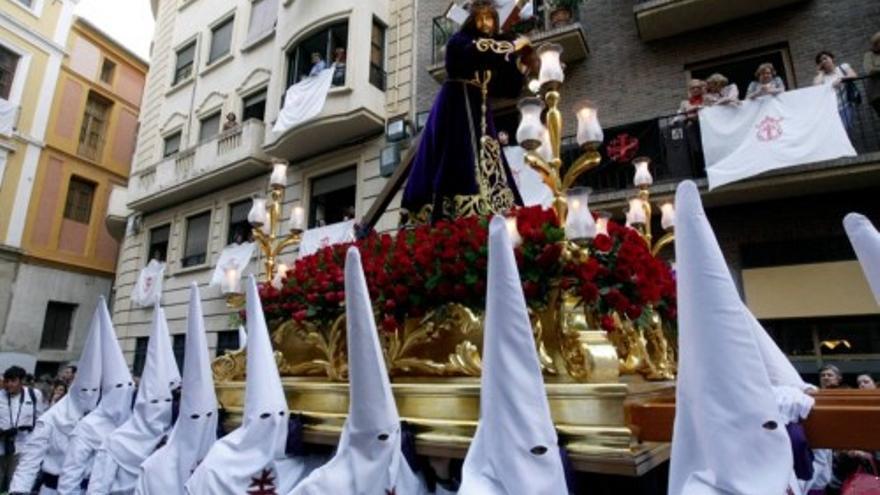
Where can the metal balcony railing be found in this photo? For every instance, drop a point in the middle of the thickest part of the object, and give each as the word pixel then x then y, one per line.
pixel 673 144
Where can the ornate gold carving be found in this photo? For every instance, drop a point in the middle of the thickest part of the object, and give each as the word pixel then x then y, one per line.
pixel 230 367
pixel 643 350
pixel 495 46
pixel 326 346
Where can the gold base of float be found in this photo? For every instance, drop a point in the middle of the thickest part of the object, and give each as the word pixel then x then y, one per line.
pixel 590 418
pixel 590 376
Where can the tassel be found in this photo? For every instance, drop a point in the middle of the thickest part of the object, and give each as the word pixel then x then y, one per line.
pixel 801 451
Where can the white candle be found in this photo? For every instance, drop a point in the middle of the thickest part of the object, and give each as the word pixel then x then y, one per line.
pixel 551 66
pixel 279 175
pixel 280 273
pixel 534 86
pixel 667 220
pixel 602 223
pixel 513 232
pixel 230 281
pixel 258 215
pixel 297 221
pixel 579 223
pixel 636 213
pixel 588 128
pixel 643 176
pixel 530 127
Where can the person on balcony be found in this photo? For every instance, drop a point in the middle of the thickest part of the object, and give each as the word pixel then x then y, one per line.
pixel 459 168
pixel 695 101
pixel 767 83
pixel 837 75
pixel 318 64
pixel 339 64
pixel 231 122
pixel 720 92
pixel 871 65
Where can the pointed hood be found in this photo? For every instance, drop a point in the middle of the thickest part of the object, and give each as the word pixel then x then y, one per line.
pixel 166 471
pixel 117 386
pixel 150 419
pixel 254 450
pixel 369 459
pixel 866 242
pixel 515 449
pixel 85 390
pixel 729 436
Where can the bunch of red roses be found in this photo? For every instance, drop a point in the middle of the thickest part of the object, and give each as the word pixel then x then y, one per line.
pixel 425 267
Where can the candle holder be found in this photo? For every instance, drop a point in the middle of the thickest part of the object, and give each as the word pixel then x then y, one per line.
pixel 641 209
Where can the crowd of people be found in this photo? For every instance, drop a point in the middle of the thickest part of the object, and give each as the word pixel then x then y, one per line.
pixel 717 90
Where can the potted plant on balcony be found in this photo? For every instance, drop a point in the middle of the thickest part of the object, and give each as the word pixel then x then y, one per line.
pixel 562 11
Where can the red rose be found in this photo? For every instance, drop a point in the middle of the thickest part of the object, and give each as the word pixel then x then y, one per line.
pixel 607 323
pixel 602 243
pixel 633 311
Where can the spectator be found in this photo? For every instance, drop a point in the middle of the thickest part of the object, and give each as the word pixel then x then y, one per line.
pixel 58 392
pixel 830 377
pixel 339 63
pixel 866 382
pixel 872 69
pixel 720 92
pixel 231 121
pixel 69 372
pixel 696 99
pixel 318 64
pixel 766 83
pixel 20 406
pixel 836 75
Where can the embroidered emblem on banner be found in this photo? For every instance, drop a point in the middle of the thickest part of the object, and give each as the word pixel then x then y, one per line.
pixel 623 148
pixel 263 484
pixel 769 129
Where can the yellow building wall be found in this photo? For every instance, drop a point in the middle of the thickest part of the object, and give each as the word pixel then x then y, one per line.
pixel 43 22
pixel 48 235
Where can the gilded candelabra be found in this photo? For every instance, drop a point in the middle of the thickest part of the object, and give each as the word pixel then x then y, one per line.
pixel 265 218
pixel 641 210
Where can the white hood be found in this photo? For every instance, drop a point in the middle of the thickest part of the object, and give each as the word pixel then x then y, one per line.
pixel 729 436
pixel 166 471
pixel 85 390
pixel 866 242
pixel 150 420
pixel 515 448
pixel 368 459
pixel 250 455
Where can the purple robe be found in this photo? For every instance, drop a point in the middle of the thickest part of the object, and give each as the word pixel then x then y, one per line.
pixel 445 164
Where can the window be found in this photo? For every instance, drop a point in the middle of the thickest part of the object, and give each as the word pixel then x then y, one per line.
pixel 196 247
pixel 227 340
pixel 209 126
pixel 140 355
pixel 27 3
pixel 324 43
pixel 80 194
pixel 178 345
pixel 264 15
pixel 172 144
pixel 740 68
pixel 796 252
pixel 94 126
pixel 159 243
pixel 221 40
pixel 822 337
pixel 108 68
pixel 56 325
pixel 8 63
pixel 377 55
pixel 255 106
pixel 332 198
pixel 239 227
pixel 183 68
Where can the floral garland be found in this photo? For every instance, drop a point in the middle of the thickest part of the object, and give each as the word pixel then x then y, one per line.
pixel 418 269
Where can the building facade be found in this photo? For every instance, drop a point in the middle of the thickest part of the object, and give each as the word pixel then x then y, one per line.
pixel 196 173
pixel 781 232
pixel 65 253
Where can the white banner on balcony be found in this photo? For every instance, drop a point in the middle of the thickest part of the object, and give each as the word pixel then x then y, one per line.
pixel 7 117
pixel 304 100
pixel 772 132
pixel 321 237
pixel 148 289
pixel 531 188
pixel 235 256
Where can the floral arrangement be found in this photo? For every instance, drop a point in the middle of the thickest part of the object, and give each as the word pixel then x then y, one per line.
pixel 421 268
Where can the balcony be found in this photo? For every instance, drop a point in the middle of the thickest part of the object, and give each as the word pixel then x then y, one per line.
pixel 657 19
pixel 539 29
pixel 676 155
pixel 223 160
pixel 117 211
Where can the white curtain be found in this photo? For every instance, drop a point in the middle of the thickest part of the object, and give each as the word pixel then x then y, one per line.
pixel 772 132
pixel 321 237
pixel 304 100
pixel 233 256
pixel 264 14
pixel 148 288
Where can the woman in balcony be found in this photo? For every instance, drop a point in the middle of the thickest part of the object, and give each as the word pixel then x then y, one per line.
pixel 459 169
pixel 830 72
pixel 767 83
